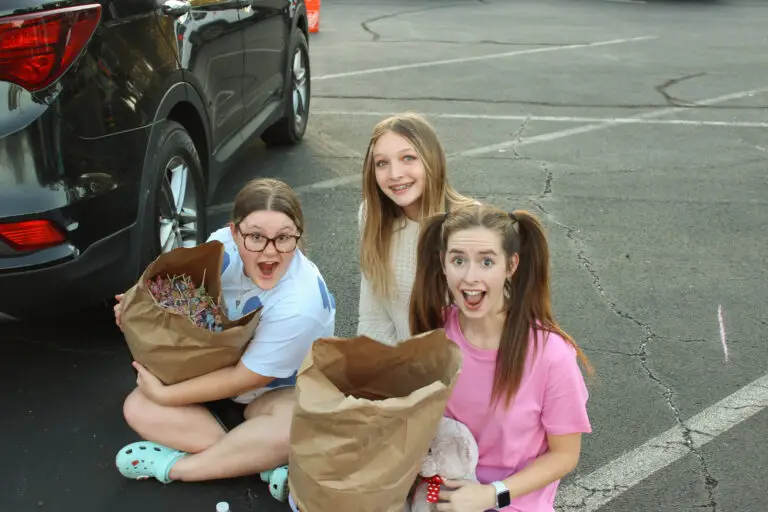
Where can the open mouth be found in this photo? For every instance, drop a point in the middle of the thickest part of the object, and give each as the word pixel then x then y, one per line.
pixel 267 269
pixel 401 189
pixel 473 299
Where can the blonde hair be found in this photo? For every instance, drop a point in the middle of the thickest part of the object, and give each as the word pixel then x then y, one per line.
pixel 380 215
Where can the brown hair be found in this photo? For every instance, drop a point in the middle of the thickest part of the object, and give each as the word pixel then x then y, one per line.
pixel 527 293
pixel 269 194
pixel 379 214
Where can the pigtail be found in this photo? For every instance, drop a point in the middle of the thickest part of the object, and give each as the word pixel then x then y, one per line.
pixel 530 283
pixel 428 296
pixel 536 249
pixel 529 306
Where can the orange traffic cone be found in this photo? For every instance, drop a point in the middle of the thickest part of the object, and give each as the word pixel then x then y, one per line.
pixel 313 15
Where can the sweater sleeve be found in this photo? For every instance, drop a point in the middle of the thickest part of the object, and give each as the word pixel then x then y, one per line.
pixel 373 320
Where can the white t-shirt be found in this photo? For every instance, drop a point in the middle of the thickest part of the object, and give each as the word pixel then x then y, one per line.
pixel 296 312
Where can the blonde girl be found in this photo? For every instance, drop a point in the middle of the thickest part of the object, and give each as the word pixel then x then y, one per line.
pixel 404 181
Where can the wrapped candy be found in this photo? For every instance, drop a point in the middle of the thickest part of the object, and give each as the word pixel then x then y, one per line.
pixel 178 293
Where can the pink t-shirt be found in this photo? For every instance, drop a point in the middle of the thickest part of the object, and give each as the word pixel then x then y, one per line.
pixel 551 400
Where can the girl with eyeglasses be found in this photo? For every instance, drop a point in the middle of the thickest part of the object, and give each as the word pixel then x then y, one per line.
pixel 236 421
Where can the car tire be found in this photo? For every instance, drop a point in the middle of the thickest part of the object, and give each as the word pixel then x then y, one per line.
pixel 290 129
pixel 175 209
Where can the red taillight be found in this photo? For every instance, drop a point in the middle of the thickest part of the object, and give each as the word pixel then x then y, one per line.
pixel 36 48
pixel 31 235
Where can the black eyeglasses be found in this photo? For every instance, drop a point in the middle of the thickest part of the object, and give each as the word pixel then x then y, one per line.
pixel 256 242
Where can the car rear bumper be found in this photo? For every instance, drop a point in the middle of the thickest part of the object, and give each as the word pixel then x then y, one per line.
pixel 68 284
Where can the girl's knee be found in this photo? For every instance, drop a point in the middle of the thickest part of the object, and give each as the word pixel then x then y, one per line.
pixel 278 425
pixel 136 408
pixel 282 441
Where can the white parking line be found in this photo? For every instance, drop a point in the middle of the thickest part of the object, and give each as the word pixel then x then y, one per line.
pixel 459 60
pixel 555 119
pixel 592 491
pixel 602 125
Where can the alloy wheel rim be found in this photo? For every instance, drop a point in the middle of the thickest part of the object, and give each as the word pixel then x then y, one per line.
pixel 177 207
pixel 300 86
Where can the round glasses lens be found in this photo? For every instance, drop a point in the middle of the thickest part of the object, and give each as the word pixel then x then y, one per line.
pixel 255 243
pixel 285 243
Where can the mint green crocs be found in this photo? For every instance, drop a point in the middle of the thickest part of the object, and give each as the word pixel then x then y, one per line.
pixel 278 483
pixel 145 459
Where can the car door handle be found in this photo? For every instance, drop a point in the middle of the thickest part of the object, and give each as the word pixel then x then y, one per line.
pixel 175 7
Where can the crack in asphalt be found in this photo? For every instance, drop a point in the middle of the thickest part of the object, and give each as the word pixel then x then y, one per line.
pixel 616 487
pixel 759 407
pixel 617 352
pixel 710 483
pixel 547 181
pixel 517 136
pixel 686 340
pixel 535 103
pixel 734 341
pixel 673 100
pixel 668 444
pixel 701 433
pixel 366 24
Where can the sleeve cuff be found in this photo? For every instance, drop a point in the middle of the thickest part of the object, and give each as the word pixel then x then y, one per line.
pixel 563 430
pixel 277 374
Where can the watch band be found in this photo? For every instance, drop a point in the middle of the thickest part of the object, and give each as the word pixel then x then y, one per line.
pixel 502 494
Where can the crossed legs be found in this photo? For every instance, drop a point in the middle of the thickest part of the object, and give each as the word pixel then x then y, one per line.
pixel 260 443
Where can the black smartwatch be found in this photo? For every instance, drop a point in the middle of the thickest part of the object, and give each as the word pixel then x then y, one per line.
pixel 502 495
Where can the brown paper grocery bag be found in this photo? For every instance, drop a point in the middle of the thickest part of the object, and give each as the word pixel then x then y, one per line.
pixel 167 343
pixel 365 416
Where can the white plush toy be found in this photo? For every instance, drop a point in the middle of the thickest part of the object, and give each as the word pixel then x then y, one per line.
pixel 452 455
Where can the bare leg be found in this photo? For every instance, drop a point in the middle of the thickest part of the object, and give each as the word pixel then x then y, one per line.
pixel 190 428
pixel 259 444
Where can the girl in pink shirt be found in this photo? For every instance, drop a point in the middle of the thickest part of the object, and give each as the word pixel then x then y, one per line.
pixel 520 391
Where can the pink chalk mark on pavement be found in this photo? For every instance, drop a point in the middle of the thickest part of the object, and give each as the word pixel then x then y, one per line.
pixel 722 330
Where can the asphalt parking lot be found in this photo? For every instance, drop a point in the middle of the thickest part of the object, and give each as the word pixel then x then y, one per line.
pixel 638 131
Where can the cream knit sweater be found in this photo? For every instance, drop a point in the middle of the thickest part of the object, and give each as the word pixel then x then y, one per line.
pixel 386 320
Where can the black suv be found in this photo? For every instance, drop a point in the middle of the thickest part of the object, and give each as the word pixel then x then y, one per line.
pixel 117 119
